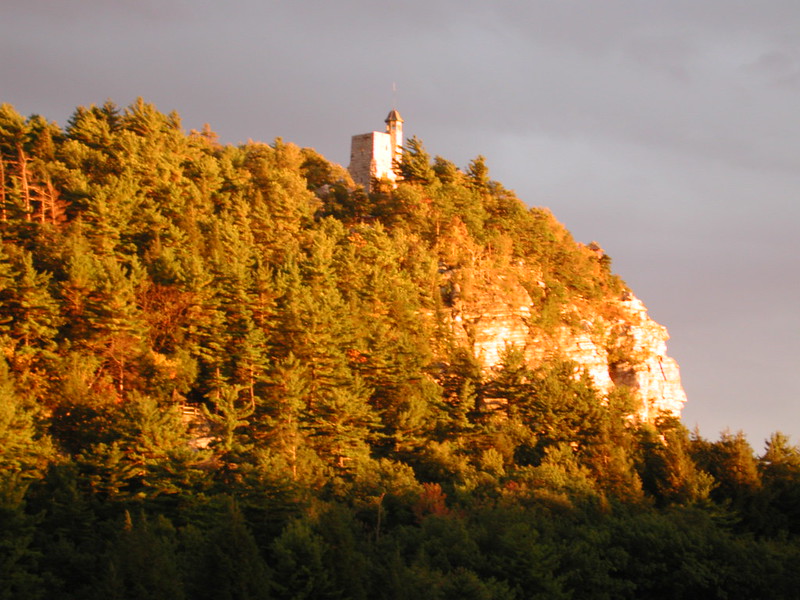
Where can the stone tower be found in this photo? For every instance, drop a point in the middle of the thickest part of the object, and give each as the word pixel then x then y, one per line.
pixel 394 127
pixel 373 155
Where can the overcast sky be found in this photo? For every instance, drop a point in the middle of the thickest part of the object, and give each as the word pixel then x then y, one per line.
pixel 666 131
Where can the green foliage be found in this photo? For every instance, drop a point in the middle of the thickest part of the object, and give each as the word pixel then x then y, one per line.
pixel 478 174
pixel 446 171
pixel 779 467
pixel 142 562
pixel 730 461
pixel 226 373
pixel 19 560
pixel 22 451
pixel 668 470
pixel 415 164
pixel 226 563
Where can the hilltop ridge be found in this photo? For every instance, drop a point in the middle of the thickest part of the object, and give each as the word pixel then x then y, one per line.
pixel 497 302
pixel 167 266
pixel 229 371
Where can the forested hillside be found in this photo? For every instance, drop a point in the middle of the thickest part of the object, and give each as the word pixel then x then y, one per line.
pixel 228 373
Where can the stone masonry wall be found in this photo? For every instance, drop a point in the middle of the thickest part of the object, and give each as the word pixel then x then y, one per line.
pixel 371 156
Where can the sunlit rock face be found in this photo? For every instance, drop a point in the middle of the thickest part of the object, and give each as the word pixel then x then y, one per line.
pixel 622 346
pixel 649 371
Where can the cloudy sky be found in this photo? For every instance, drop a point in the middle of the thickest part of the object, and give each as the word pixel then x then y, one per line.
pixel 666 131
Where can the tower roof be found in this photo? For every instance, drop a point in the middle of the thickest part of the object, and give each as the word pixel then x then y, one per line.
pixel 394 116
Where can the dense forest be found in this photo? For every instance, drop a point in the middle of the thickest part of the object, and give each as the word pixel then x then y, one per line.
pixel 225 374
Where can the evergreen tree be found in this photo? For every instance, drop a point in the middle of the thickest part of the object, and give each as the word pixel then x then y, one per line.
pixel 283 413
pixel 24 450
pixel 142 562
pixel 730 461
pixel 478 174
pixel 227 562
pixel 20 572
pixel 415 165
pixel 779 467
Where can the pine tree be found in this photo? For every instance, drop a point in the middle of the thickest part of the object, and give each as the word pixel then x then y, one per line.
pixel 732 464
pixel 779 467
pixel 342 424
pixel 26 305
pixel 142 562
pixel 227 563
pixel 15 158
pixel 24 449
pixel 415 165
pixel 478 174
pixel 283 413
pixel 19 565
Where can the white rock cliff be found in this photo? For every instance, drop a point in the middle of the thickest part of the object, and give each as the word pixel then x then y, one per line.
pixel 627 348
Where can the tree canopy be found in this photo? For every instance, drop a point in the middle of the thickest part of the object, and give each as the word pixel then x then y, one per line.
pixel 226 372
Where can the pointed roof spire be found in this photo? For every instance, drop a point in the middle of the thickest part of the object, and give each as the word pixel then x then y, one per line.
pixel 393 116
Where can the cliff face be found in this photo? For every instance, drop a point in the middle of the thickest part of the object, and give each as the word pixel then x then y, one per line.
pixel 616 342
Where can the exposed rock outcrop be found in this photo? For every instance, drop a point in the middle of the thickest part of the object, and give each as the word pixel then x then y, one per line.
pixel 621 346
